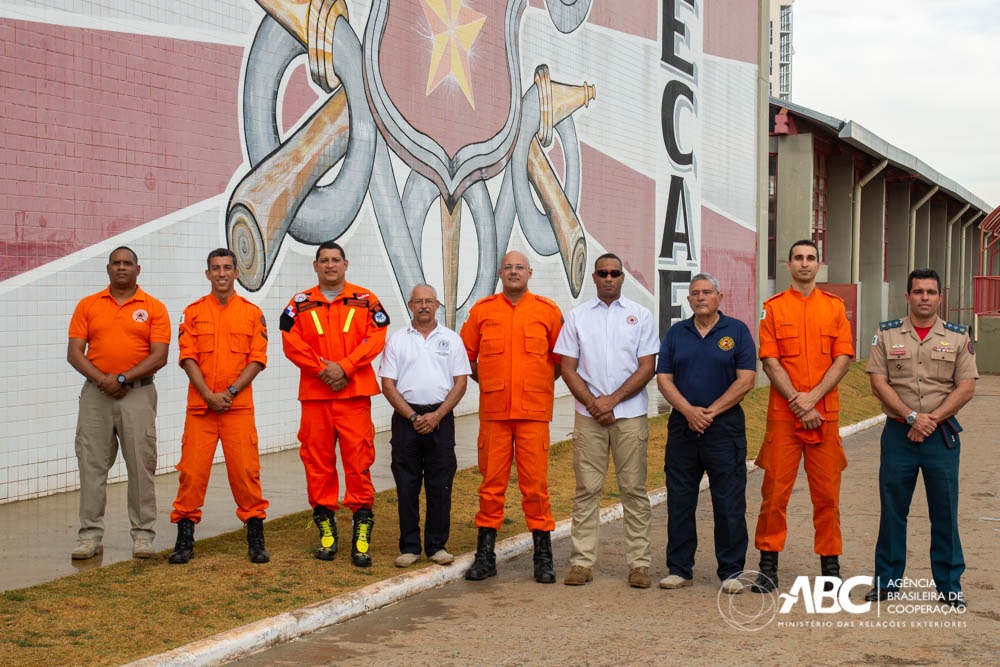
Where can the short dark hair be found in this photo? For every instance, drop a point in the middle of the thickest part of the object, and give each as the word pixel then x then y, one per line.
pixel 220 252
pixel 922 274
pixel 808 242
pixel 609 255
pixel 331 245
pixel 135 257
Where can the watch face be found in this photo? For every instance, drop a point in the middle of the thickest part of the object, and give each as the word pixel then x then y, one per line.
pixel 121 378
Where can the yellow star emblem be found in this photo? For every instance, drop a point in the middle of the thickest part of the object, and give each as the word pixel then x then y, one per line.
pixel 454 29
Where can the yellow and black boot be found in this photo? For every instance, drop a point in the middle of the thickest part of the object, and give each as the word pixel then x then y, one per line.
pixel 364 521
pixel 327 524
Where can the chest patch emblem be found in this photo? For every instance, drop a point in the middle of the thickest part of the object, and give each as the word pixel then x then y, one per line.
pixel 631 320
pixel 726 343
pixel 140 315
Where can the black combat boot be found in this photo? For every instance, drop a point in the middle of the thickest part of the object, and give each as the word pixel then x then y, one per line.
pixel 485 564
pixel 364 521
pixel 327 524
pixel 255 541
pixel 767 579
pixel 184 547
pixel 544 572
pixel 829 566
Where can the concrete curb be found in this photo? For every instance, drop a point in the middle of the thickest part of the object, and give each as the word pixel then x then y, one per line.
pixel 245 640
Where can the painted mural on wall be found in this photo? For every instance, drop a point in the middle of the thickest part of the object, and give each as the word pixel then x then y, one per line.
pixel 438 83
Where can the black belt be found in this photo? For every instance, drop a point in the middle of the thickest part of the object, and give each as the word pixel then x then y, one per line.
pixel 141 382
pixel 423 409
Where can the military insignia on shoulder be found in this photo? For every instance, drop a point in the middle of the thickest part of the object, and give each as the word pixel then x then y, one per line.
pixel 957 328
pixel 889 324
pixel 300 297
pixel 379 316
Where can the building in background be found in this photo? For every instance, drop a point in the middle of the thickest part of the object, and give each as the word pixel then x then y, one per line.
pixel 428 137
pixel 875 212
pixel 781 50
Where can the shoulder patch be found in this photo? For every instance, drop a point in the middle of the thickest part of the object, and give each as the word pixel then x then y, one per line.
pixel 890 324
pixel 379 316
pixel 957 328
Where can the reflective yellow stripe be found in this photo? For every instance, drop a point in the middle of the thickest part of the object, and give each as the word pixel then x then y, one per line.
pixel 319 327
pixel 350 316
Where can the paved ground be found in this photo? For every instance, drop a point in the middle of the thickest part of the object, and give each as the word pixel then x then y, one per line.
pixel 510 620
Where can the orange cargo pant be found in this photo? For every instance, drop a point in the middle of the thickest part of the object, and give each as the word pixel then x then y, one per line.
pixel 527 443
pixel 349 421
pixel 202 433
pixel 779 457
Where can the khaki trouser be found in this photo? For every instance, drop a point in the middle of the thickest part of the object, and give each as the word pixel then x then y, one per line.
pixel 593 446
pixel 103 424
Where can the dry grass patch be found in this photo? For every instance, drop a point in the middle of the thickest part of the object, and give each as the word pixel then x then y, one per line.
pixel 135 608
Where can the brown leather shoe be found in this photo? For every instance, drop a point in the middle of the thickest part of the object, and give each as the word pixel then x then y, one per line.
pixel 578 576
pixel 638 577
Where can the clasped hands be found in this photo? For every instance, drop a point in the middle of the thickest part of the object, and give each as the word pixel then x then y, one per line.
pixel 803 406
pixel 602 409
pixel 922 427
pixel 333 375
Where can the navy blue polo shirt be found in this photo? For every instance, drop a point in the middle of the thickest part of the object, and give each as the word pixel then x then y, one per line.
pixel 704 368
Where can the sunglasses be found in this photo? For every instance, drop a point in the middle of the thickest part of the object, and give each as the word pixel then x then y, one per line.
pixel 614 273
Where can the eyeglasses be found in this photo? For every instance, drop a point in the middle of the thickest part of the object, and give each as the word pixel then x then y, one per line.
pixel 614 273
pixel 423 302
pixel 507 268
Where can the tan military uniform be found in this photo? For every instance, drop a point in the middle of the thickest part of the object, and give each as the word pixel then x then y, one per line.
pixel 922 372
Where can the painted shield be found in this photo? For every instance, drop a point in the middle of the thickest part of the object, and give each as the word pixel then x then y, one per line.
pixel 442 83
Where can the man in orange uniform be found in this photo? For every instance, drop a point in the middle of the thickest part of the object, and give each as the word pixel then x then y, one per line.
pixel 805 348
pixel 117 339
pixel 333 332
pixel 223 346
pixel 509 338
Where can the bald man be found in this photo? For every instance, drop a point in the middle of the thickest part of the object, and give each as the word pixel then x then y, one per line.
pixel 510 339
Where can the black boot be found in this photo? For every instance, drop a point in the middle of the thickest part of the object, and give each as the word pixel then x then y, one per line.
pixel 544 573
pixel 364 521
pixel 829 566
pixel 184 547
pixel 327 524
pixel 255 541
pixel 485 564
pixel 767 579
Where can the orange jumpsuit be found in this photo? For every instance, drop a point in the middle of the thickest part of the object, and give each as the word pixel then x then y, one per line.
pixel 350 331
pixel 512 345
pixel 805 335
pixel 222 340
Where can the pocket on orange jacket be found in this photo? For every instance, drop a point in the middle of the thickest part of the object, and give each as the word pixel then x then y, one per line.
pixel 536 340
pixel 788 341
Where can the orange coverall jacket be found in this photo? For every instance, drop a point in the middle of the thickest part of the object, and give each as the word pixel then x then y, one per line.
pixel 805 335
pixel 222 340
pixel 513 347
pixel 350 331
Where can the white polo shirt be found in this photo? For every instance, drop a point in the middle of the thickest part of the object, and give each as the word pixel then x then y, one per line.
pixel 424 368
pixel 608 341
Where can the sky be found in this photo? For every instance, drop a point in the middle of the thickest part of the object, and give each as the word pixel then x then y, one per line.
pixel 922 74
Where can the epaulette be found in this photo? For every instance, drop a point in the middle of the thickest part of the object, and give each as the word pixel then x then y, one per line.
pixel 957 328
pixel 545 299
pixel 832 295
pixel 890 324
pixel 773 297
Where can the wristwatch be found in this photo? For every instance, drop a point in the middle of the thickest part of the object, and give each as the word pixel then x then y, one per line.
pixel 122 380
pixel 910 418
pixel 413 417
pixel 232 390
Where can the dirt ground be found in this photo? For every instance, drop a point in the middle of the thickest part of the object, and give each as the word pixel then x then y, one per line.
pixel 510 620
